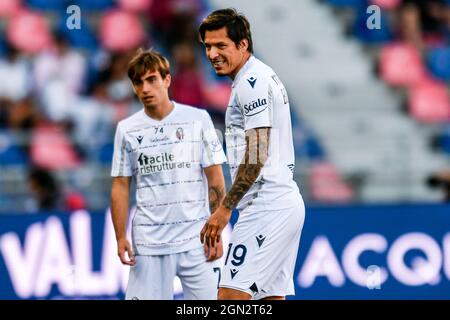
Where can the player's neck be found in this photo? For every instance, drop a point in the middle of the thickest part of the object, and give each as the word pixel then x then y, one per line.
pixel 159 112
pixel 245 58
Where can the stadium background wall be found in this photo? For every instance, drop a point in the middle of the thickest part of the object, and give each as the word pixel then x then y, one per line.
pixel 358 252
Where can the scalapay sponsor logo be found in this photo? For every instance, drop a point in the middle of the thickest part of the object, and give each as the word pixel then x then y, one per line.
pixel 253 107
pixel 161 162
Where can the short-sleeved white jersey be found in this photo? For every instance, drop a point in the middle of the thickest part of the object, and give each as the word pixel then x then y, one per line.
pixel 259 99
pixel 166 159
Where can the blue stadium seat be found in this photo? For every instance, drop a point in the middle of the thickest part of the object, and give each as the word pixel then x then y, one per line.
pixel 313 149
pixel 54 5
pixel 3 47
pixel 444 140
pixel 105 153
pixel 371 36
pixel 438 63
pixel 309 146
pixel 10 153
pixel 82 38
pixel 347 3
pixel 95 4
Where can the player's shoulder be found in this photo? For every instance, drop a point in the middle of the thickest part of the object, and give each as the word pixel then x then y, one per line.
pixel 258 71
pixel 188 112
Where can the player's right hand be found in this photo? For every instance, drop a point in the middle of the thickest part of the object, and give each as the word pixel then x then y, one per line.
pixel 124 246
pixel 213 253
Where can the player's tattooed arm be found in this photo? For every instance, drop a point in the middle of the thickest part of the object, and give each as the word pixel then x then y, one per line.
pixel 216 186
pixel 216 195
pixel 256 154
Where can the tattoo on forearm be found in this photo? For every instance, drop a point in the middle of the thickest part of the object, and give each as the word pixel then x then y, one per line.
pixel 215 197
pixel 255 156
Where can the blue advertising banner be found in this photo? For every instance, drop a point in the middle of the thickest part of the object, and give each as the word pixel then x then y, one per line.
pixel 357 252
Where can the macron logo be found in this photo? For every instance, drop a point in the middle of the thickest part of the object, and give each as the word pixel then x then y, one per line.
pixel 252 81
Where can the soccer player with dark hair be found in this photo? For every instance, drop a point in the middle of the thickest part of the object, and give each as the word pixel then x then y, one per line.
pixel 264 243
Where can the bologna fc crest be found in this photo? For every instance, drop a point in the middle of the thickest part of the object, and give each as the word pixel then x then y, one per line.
pixel 180 134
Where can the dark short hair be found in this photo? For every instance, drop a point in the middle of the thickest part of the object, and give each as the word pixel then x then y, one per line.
pixel 236 24
pixel 144 61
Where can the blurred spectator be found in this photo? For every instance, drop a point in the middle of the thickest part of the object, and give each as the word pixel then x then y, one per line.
pixel 47 194
pixel 422 22
pixel 441 180
pixel 174 21
pixel 15 70
pixel 45 191
pixel 22 115
pixel 187 80
pixel 59 77
pixel 60 63
pixel 92 118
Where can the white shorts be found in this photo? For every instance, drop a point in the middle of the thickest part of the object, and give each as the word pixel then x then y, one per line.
pixel 151 278
pixel 262 252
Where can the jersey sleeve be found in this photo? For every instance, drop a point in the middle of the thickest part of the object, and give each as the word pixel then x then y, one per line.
pixel 212 151
pixel 121 164
pixel 255 98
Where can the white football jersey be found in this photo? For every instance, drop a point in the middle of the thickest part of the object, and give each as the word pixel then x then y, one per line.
pixel 259 99
pixel 166 159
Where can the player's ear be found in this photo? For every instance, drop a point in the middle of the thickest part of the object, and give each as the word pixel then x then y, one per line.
pixel 243 45
pixel 167 80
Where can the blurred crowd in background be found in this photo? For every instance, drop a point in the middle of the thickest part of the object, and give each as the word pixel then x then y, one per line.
pixel 410 45
pixel 63 89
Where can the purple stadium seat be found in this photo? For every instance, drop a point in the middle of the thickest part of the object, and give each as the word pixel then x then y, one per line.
pixel 29 32
pixel 386 4
pixel 112 33
pixel 51 149
pixel 429 102
pixel 327 184
pixel 9 7
pixel 401 65
pixel 135 5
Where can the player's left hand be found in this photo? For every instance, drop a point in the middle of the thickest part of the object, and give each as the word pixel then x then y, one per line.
pixel 213 253
pixel 212 230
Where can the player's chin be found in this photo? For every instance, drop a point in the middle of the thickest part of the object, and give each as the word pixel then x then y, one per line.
pixel 221 72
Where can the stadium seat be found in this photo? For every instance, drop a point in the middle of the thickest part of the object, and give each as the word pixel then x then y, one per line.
pixel 105 153
pixel 55 5
pixel 111 31
pixel 10 152
pixel 9 7
pixel 82 38
pixel 3 48
pixel 438 63
pixel 98 5
pixel 327 184
pixel 217 96
pixel 429 102
pixel 444 139
pixel 347 3
pixel 313 148
pixel 371 36
pixel 29 32
pixel 401 65
pixel 51 149
pixel 386 4
pixel 135 5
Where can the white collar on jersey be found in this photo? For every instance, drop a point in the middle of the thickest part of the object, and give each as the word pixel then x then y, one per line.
pixel 244 69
